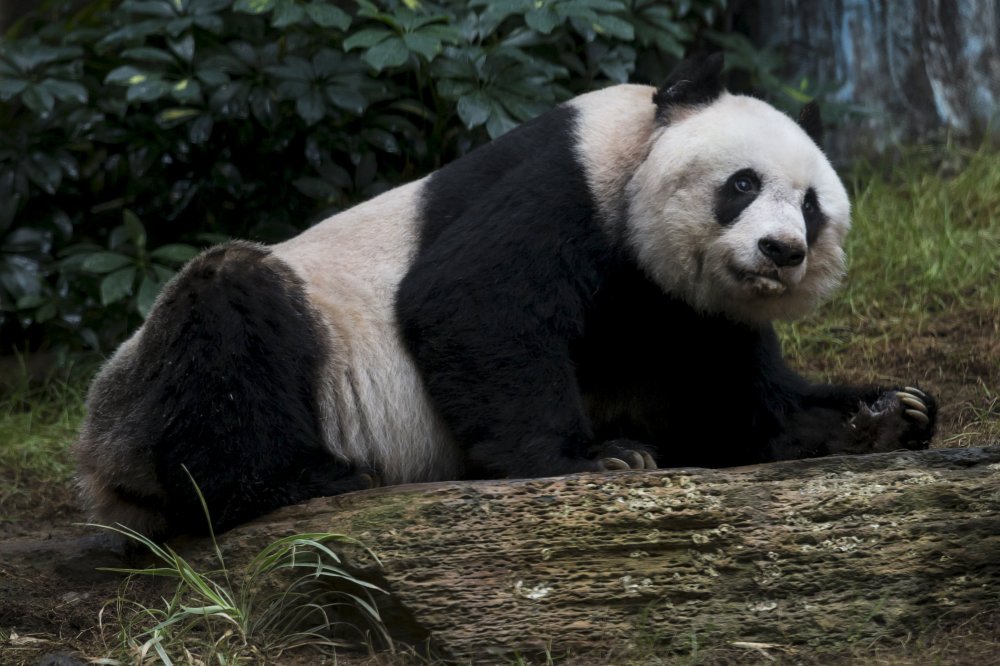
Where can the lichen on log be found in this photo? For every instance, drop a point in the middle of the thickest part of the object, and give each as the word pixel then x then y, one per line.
pixel 813 554
pixel 809 555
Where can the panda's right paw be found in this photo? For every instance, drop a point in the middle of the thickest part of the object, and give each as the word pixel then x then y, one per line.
pixel 624 454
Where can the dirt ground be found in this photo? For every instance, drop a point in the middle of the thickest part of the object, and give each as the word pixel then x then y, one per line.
pixel 957 357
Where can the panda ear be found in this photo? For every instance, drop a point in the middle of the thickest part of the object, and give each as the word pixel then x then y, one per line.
pixel 695 81
pixel 811 121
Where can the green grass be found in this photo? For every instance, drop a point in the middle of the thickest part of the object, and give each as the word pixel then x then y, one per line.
pixel 925 241
pixel 38 422
pixel 293 595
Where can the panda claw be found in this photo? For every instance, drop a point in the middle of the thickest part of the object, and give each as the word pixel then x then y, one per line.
pixel 371 480
pixel 614 464
pixel 648 462
pixel 917 416
pixel 915 391
pixel 912 402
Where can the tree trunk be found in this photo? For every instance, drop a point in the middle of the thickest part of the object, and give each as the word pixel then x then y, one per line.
pixel 807 555
pixel 915 68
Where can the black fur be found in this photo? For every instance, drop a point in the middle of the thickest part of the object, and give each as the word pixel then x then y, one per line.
pixel 811 120
pixel 510 256
pixel 813 215
pixel 231 397
pixel 709 391
pixel 693 82
pixel 543 345
pixel 730 200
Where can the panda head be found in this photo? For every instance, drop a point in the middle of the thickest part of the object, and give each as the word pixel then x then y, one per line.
pixel 735 209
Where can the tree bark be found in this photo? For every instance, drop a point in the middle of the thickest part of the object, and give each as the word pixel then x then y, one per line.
pixel 916 69
pixel 807 555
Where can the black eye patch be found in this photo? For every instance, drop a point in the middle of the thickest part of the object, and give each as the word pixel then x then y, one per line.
pixel 738 192
pixel 813 215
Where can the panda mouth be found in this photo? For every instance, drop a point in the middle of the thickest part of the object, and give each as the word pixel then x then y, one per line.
pixel 761 283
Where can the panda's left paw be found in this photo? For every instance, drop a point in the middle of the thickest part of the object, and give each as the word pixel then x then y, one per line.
pixel 623 454
pixel 898 418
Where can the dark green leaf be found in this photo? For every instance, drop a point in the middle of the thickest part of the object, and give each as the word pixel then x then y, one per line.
pixel 149 288
pixel 44 171
pixel 46 312
pixel 29 301
pixel 203 7
pixel 212 77
pixel 183 47
pixel 349 99
pixel 11 87
pixel 390 53
pixel 126 75
pixel 105 262
pixel 474 109
pixel 133 228
pixel 382 140
pixel 38 99
pixel 499 123
pixel 253 6
pixel 310 106
pixel 27 240
pixel 328 16
pixel 542 20
pixel 286 13
pixel 186 91
pixel 426 45
pixel 615 27
pixel 117 285
pixel 179 26
pixel 149 54
pixel 293 68
pixel 175 253
pixel 327 62
pixel 163 273
pixel 161 8
pixel 173 117
pixel 148 91
pixel 366 38
pixel 442 33
pixel 201 129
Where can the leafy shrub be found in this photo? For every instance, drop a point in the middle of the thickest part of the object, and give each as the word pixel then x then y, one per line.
pixel 133 132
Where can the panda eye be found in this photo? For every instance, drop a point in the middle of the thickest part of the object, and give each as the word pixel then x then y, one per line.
pixel 743 182
pixel 809 205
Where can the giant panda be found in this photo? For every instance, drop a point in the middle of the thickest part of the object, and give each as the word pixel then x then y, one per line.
pixel 592 291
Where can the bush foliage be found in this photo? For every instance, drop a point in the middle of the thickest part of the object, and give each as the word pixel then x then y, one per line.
pixel 134 132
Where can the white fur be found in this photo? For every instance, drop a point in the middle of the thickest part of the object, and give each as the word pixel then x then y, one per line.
pixel 671 224
pixel 375 409
pixel 614 133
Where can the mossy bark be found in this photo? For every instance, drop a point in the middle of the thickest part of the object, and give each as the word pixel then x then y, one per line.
pixel 814 555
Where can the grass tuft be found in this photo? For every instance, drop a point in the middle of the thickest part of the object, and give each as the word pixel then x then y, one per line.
pixel 291 596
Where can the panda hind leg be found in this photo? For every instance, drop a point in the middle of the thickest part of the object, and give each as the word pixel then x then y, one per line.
pixel 223 382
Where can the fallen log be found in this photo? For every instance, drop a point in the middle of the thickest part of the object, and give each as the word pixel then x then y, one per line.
pixel 806 555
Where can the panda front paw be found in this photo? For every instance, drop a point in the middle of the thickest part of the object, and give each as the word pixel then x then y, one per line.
pixel 898 418
pixel 624 454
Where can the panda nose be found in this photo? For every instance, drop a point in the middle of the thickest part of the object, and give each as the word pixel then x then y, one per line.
pixel 781 253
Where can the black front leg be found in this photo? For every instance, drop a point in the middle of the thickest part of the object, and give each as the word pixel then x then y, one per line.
pixel 843 420
pixel 489 311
